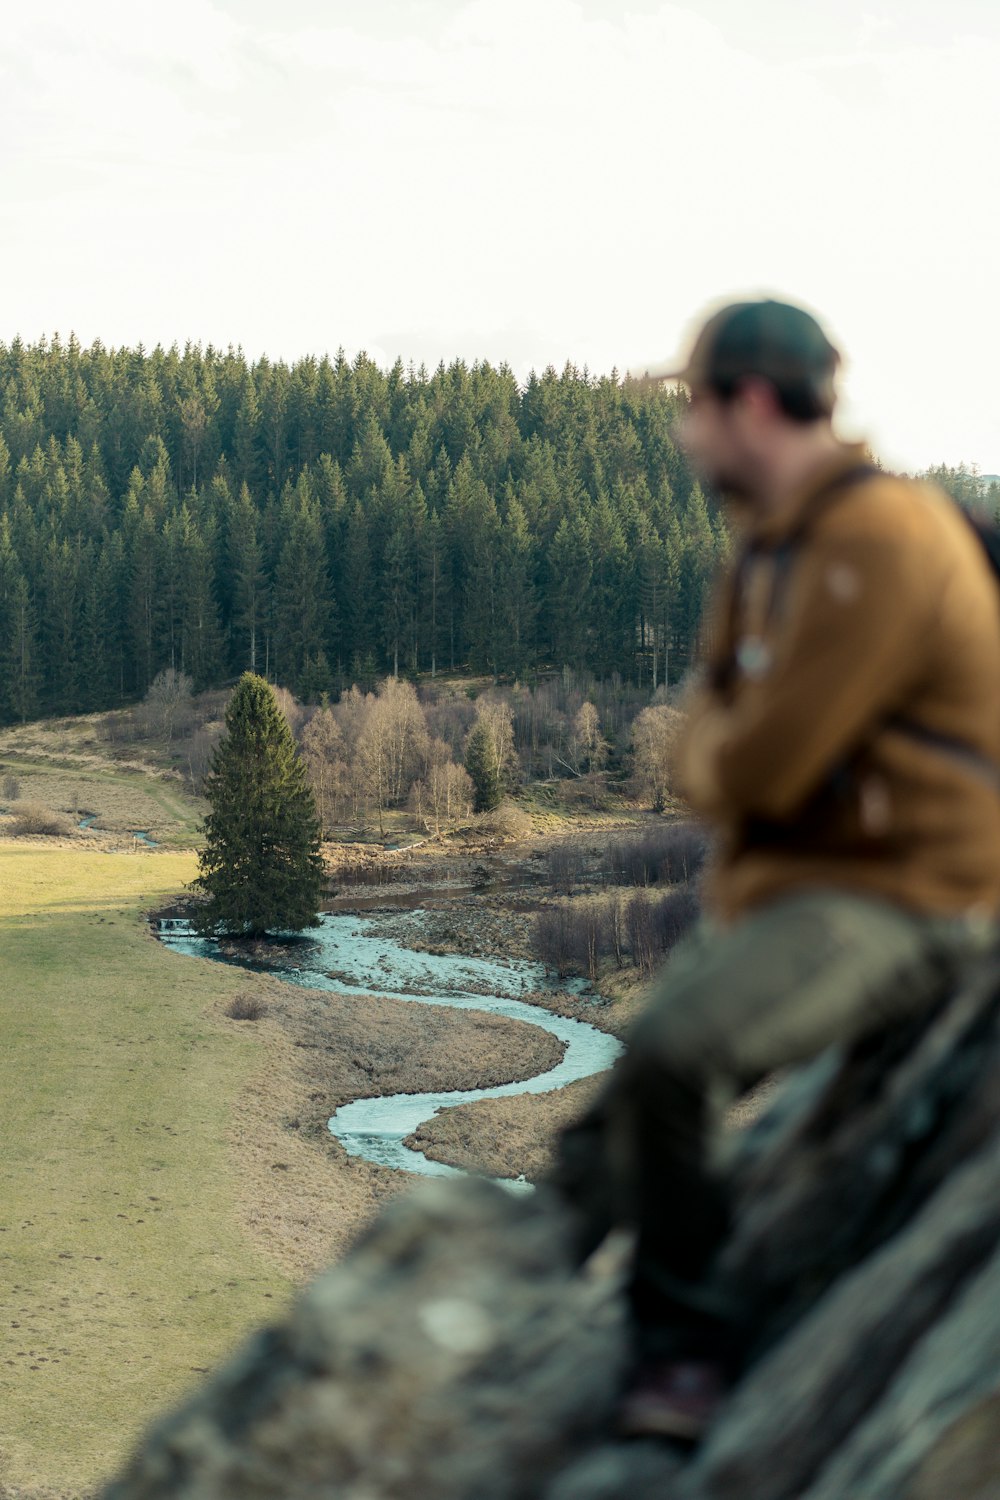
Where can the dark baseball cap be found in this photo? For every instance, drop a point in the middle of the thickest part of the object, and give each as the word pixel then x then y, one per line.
pixel 776 341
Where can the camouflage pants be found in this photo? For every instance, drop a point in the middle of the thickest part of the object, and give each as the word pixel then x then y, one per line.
pixel 733 1005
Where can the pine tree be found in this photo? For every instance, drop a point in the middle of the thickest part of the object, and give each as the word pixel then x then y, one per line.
pixel 260 868
pixel 397 591
pixel 356 585
pixel 569 563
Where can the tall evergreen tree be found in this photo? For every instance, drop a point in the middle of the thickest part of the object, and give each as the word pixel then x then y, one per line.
pixel 260 868
pixel 19 666
pixel 303 603
pixel 516 593
pixel 245 561
pixel 482 766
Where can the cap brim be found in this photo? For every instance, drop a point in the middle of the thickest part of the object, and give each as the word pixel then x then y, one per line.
pixel 659 370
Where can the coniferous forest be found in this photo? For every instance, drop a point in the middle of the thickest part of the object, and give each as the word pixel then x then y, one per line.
pixel 327 522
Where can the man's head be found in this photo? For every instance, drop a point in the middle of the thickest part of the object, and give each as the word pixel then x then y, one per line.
pixel 761 382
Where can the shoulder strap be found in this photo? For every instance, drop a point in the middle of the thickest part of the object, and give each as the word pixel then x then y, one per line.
pixel 783 552
pixel 988 535
pixel 967 756
pixel 825 497
pixel 970 758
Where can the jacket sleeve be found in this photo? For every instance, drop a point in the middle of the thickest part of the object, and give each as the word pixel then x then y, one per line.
pixel 846 651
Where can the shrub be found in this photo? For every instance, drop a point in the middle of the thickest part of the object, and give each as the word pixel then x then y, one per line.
pixel 505 822
pixel 668 855
pixel 246 1008
pixel 10 788
pixel 357 869
pixel 574 936
pixel 36 818
pixel 565 866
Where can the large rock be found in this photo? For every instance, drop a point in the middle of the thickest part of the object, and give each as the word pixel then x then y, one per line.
pixel 456 1356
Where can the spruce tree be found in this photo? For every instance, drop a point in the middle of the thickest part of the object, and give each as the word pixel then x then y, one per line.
pixel 481 764
pixel 260 868
pixel 489 754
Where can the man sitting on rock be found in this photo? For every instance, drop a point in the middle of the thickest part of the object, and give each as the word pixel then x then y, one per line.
pixel 844 747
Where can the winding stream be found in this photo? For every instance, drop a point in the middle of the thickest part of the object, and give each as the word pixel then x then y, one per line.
pixel 350 955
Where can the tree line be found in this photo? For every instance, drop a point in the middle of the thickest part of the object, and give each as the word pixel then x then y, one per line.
pixel 326 522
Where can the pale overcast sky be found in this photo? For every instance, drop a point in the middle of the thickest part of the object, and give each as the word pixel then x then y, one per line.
pixel 524 180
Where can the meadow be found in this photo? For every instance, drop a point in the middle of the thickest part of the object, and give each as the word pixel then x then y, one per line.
pixel 167 1178
pixel 71 767
pixel 125 1268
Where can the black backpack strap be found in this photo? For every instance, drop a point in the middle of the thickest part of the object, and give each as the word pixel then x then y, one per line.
pixel 988 535
pixel 967 756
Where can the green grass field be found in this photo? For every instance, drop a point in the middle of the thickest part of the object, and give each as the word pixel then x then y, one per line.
pixel 123 1273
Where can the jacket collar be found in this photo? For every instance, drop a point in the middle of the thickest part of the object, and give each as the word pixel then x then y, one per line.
pixel 773 527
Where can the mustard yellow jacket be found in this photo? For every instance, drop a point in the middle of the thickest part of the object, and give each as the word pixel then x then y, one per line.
pixel 850 726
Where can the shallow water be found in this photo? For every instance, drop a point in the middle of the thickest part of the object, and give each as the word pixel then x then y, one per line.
pixel 348 954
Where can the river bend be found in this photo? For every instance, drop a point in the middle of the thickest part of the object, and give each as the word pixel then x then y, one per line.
pixel 349 954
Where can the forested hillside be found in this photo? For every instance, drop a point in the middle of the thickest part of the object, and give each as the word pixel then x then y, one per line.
pixel 326 522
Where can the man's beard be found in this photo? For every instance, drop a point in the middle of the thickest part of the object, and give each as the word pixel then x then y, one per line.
pixel 736 487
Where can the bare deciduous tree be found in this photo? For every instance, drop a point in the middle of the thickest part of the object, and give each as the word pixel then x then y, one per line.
pixel 169 700
pixel 587 746
pixel 199 748
pixel 639 926
pixel 490 756
pixel 444 796
pixel 323 754
pixel 654 737
pixel 291 708
pixel 391 746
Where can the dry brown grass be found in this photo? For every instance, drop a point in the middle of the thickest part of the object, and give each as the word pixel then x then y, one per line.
pixel 70 766
pixel 302 1199
pixel 508 823
pixel 122 801
pixel 504 1137
pixel 35 818
pixel 511 1137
